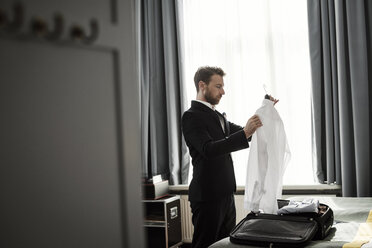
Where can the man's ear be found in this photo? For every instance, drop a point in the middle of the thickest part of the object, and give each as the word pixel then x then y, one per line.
pixel 201 85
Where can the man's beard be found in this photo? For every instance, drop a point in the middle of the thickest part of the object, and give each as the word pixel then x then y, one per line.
pixel 212 100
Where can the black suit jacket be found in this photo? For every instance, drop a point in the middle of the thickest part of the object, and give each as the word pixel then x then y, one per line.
pixel 210 148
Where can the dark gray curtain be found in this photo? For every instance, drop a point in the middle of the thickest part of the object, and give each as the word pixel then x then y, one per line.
pixel 162 95
pixel 341 66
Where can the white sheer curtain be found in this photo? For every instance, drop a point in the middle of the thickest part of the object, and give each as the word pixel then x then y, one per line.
pixel 256 42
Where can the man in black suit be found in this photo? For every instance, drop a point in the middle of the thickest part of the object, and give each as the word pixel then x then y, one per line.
pixel 211 139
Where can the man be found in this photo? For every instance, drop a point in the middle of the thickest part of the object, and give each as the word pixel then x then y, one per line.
pixel 211 139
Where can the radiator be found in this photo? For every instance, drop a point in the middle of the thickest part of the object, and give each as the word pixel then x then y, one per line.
pixel 187 227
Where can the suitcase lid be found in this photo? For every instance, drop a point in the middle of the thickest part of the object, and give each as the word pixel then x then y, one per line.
pixel 268 229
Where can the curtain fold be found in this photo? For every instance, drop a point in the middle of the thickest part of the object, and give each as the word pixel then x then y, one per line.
pixel 340 52
pixel 161 93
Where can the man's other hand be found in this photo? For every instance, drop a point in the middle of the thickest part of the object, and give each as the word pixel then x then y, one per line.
pixel 252 124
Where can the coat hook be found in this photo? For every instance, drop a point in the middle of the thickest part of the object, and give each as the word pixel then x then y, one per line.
pixel 78 33
pixel 3 19
pixel 58 27
pixel 94 31
pixel 18 17
pixel 39 27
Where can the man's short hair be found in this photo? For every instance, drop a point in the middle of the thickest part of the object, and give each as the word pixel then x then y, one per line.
pixel 205 73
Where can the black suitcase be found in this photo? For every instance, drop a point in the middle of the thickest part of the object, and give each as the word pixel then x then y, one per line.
pixel 324 218
pixel 290 230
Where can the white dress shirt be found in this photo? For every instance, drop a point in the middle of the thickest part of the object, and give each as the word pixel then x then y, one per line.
pixel 268 157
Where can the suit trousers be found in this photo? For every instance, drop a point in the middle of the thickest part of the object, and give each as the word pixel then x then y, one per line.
pixel 212 220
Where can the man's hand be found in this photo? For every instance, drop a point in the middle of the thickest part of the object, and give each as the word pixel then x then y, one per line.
pixel 273 99
pixel 252 124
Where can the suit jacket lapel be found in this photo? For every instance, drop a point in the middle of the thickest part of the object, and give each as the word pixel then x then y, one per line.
pixel 214 114
pixel 217 119
pixel 227 125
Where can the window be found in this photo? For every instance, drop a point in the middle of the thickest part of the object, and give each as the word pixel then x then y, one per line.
pixel 256 42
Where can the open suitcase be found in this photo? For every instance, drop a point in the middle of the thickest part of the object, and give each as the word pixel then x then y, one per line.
pixel 290 230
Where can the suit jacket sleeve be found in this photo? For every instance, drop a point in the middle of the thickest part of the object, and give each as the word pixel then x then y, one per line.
pixel 235 128
pixel 196 133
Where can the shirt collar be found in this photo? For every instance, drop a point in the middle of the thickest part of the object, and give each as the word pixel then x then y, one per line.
pixel 207 104
pixel 267 102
